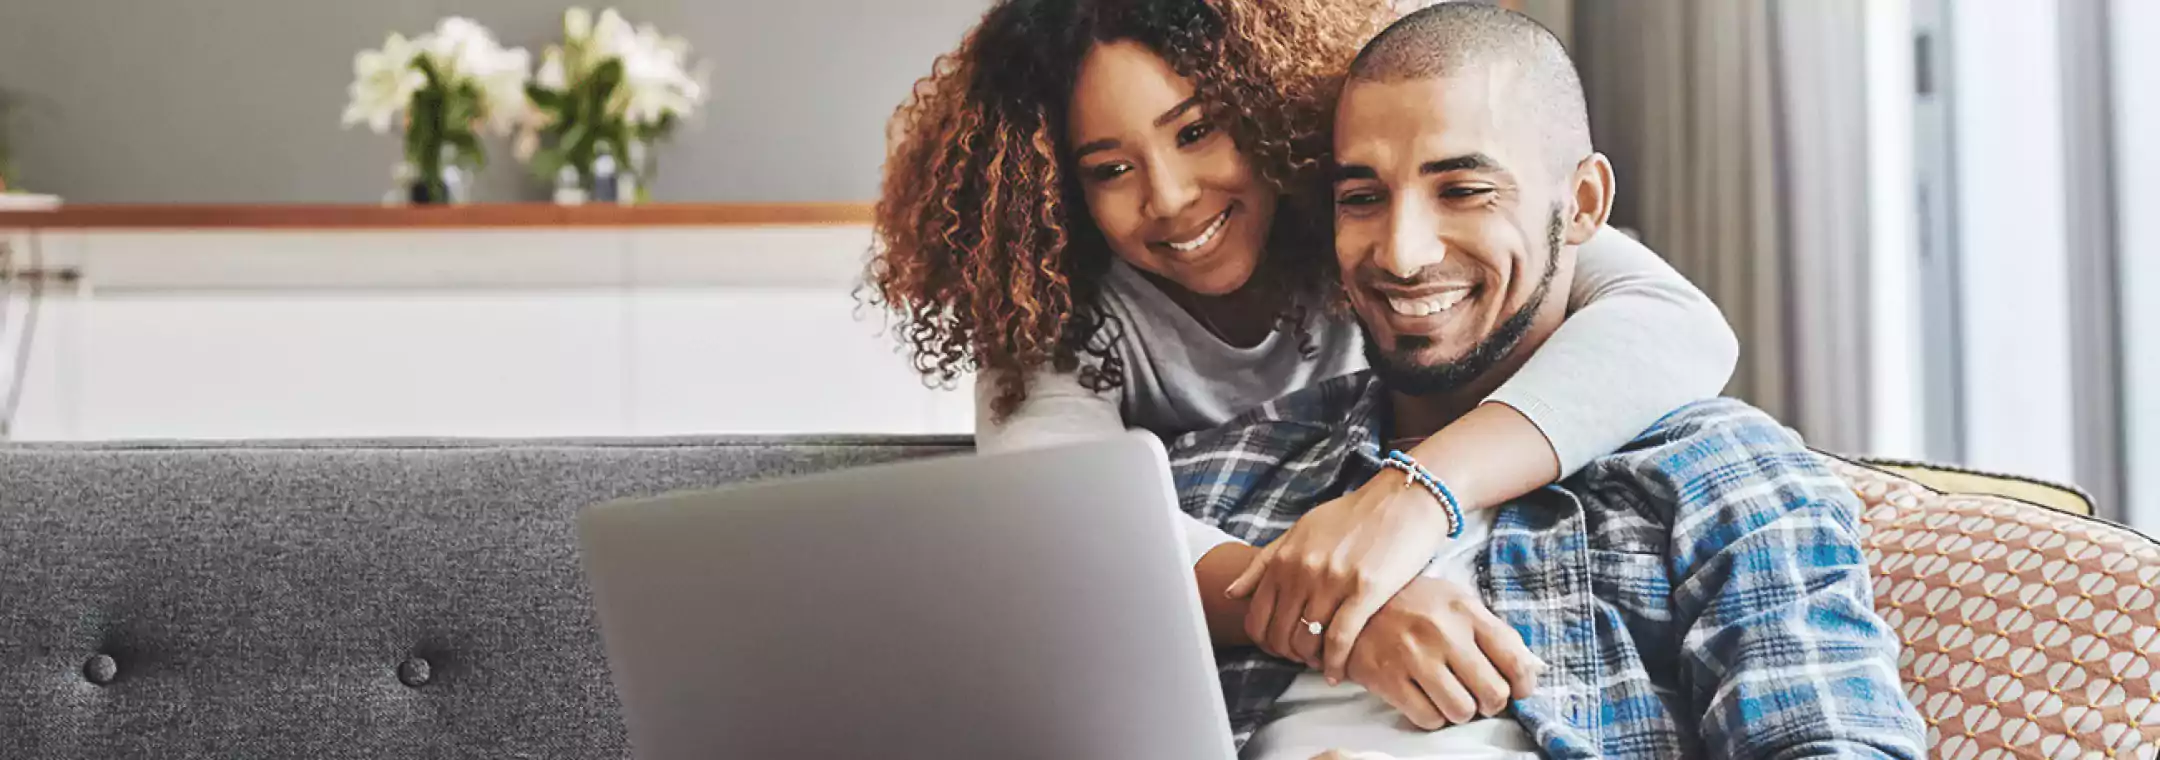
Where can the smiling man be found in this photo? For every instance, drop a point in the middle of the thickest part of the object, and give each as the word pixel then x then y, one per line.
pixel 1700 593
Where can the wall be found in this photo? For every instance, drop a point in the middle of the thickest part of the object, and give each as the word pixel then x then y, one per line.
pixel 238 100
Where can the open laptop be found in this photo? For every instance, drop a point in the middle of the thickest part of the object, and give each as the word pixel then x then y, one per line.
pixel 1034 604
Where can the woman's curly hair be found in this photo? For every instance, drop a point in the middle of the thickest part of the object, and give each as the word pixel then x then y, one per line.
pixel 984 249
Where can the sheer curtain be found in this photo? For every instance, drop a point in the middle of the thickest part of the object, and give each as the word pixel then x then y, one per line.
pixel 1738 129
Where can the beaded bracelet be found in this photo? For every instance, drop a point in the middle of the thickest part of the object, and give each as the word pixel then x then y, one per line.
pixel 1416 474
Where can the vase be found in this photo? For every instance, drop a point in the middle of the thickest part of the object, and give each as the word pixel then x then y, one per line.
pixel 443 183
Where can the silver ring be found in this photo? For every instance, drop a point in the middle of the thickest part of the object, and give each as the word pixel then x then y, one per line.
pixel 1313 627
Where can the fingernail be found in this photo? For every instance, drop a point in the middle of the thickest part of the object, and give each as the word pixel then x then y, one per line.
pixel 1333 681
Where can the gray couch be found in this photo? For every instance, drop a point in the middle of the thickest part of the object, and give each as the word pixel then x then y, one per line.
pixel 402 599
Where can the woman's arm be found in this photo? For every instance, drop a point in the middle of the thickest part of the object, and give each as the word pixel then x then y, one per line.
pixel 1641 342
pixel 1058 410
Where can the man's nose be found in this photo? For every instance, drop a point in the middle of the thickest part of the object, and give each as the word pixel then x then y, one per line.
pixel 1412 243
pixel 1171 190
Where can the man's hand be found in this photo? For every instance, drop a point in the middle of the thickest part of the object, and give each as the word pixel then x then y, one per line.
pixel 1336 567
pixel 1437 655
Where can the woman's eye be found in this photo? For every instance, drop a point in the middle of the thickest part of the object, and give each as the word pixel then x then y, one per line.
pixel 1358 198
pixel 1107 172
pixel 1196 132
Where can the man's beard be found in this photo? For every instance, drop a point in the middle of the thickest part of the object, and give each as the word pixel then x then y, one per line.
pixel 1400 370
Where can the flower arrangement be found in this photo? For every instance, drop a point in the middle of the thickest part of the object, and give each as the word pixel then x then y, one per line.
pixel 608 91
pixel 450 86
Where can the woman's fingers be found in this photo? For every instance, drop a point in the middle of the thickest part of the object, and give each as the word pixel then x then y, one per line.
pixel 1261 614
pixel 1250 579
pixel 1343 630
pixel 1292 594
pixel 1320 608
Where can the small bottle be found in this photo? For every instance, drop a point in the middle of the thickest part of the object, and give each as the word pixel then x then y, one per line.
pixel 456 183
pixel 568 190
pixel 603 175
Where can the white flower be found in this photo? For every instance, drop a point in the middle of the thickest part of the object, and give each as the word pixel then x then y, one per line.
pixel 612 35
pixel 577 23
pixel 383 84
pixel 552 75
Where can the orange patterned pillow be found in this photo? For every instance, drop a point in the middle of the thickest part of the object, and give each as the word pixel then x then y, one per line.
pixel 2028 633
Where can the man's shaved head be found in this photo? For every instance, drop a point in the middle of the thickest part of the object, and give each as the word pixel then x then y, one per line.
pixel 1456 38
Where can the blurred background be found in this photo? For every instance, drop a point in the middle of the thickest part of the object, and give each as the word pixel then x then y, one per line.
pixel 1920 216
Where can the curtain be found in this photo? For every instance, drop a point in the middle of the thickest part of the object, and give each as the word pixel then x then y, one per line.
pixel 1738 131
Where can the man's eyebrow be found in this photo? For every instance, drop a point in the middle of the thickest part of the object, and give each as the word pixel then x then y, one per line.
pixel 1465 162
pixel 1347 172
pixel 1177 111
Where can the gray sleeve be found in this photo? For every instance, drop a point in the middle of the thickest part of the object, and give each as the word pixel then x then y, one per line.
pixel 1641 342
pixel 1059 410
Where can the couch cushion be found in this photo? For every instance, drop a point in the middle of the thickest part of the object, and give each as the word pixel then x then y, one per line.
pixel 328 600
pixel 2028 632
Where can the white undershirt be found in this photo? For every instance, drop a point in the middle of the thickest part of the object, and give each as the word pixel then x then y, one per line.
pixel 1313 717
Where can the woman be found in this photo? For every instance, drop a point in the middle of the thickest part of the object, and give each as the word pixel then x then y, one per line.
pixel 1104 208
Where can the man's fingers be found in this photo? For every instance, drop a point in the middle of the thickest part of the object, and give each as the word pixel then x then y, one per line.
pixel 1447 694
pixel 1504 648
pixel 1410 699
pixel 1248 580
pixel 1342 632
pixel 1477 674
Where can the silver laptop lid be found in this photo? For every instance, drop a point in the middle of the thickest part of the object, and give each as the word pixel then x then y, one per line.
pixel 1035 604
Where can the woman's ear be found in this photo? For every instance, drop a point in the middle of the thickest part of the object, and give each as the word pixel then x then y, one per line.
pixel 1593 188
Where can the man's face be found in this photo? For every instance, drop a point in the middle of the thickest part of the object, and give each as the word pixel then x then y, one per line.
pixel 1448 224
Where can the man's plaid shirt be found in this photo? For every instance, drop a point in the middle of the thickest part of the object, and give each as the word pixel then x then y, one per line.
pixel 1699 593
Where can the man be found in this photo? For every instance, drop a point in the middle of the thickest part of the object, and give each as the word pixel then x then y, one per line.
pixel 1701 592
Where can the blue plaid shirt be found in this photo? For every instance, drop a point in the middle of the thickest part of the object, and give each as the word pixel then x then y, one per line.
pixel 1699 593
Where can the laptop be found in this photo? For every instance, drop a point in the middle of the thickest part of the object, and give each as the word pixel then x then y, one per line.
pixel 1032 604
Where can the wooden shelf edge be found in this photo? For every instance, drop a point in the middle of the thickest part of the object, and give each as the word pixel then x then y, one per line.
pixel 480 216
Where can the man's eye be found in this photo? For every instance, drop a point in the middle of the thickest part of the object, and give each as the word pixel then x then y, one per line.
pixel 1107 172
pixel 1195 133
pixel 1459 193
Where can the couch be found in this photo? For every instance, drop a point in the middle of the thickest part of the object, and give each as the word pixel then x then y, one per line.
pixel 422 599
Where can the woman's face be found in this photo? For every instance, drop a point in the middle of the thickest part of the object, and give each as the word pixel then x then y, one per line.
pixel 1167 186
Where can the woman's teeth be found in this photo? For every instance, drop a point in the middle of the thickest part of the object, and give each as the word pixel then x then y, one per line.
pixel 1213 229
pixel 1429 305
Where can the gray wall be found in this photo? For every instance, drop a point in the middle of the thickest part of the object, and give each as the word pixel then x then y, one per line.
pixel 151 101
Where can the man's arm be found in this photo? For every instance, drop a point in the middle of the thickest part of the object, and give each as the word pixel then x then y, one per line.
pixel 1785 655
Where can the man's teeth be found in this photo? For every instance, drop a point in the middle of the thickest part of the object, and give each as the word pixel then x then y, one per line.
pixel 1206 235
pixel 1429 305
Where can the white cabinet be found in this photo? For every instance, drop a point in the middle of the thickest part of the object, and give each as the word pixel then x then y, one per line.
pixel 573 333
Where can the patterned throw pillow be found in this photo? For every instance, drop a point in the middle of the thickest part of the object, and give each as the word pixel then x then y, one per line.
pixel 2028 633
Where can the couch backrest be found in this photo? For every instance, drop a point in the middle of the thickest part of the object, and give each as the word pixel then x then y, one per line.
pixel 329 600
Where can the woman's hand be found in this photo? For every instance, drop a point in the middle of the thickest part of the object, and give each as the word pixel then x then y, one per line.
pixel 1437 655
pixel 1337 566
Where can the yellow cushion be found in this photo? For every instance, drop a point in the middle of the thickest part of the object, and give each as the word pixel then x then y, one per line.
pixel 1962 481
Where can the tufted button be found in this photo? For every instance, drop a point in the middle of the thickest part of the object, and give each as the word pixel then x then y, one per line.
pixel 415 672
pixel 100 669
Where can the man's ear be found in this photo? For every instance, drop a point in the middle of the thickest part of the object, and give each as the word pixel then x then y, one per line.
pixel 1593 188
